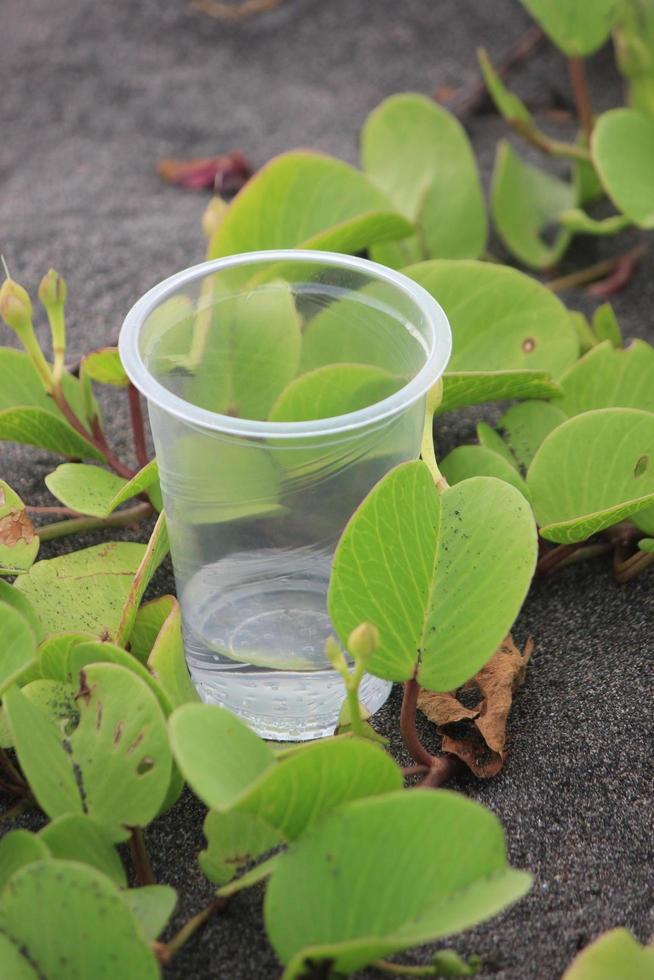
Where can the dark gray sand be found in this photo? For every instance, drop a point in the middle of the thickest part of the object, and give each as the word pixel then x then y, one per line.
pixel 92 96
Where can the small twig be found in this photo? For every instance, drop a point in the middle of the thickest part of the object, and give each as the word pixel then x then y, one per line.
pixel 552 558
pixel 592 272
pixel 166 951
pixel 78 525
pixel 630 568
pixel 579 81
pixel 470 97
pixel 618 280
pixel 138 429
pixel 234 11
pixel 140 858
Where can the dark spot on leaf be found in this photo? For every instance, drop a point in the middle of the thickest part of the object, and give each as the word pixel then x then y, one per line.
pixel 135 744
pixel 528 345
pixel 641 465
pixel 118 734
pixel 98 715
pixel 84 690
pixel 145 765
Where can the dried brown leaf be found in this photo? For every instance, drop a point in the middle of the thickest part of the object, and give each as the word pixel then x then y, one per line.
pixel 478 735
pixel 14 527
pixel 224 174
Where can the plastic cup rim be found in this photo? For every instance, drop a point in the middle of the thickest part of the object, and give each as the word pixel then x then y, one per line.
pixel 436 362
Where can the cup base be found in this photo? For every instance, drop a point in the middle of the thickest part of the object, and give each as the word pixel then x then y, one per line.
pixel 289 706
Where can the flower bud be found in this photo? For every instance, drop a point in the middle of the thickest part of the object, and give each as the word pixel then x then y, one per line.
pixel 53 289
pixel 363 641
pixel 335 655
pixel 15 307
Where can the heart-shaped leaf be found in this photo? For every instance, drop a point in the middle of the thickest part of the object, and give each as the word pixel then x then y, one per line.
pixel 115 765
pixel 83 922
pixel 419 155
pixel 196 730
pixel 615 954
pixel 610 378
pixel 623 153
pixel 54 654
pixel 592 471
pixel 307 200
pixel 501 319
pixel 18 848
pixel 526 203
pixel 97 652
pixel 151 906
pixel 442 577
pixel 526 425
pixel 462 388
pixel 77 837
pixel 467 461
pixel 87 489
pixel 37 427
pixel 85 590
pixel 19 542
pixel 335 389
pixel 435 863
pixel 577 27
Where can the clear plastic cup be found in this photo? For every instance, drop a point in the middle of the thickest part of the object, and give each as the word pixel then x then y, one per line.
pixel 281 386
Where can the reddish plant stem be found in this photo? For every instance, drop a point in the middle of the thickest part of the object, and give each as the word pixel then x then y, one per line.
pixel 96 436
pixel 417 770
pixel 141 858
pixel 627 569
pixel 579 82
pixel 138 429
pixel 412 743
pixel 100 441
pixel 593 272
pixel 554 556
pixel 442 769
pixel 78 525
pixel 166 951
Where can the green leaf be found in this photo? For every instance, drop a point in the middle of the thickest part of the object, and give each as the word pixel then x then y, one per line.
pixel 151 906
pixel 56 701
pixel 526 202
pixel 13 597
pixel 234 838
pixel 19 542
pixel 115 765
pixel 97 652
pixel 606 326
pixel 307 200
pixel 83 929
pixel 467 461
pixel 83 591
pixel 610 378
pixel 156 550
pixel 587 338
pixel 218 754
pixel 22 386
pixel 401 845
pixel 18 647
pixel 147 624
pixel 167 661
pixel 77 837
pixel 622 146
pixel 334 389
pixel 147 480
pixel 507 104
pixel 37 427
pixel 404 563
pixel 251 352
pixel 577 27
pixel 419 155
pixel 491 439
pixel 525 426
pixel 615 954
pixel 18 848
pixel 461 388
pixel 54 653
pixel 593 471
pixel 104 365
pixel 501 319
pixel 87 489
pixel 646 544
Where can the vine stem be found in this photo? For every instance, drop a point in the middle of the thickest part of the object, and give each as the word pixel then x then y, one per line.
pixel 166 951
pixel 141 858
pixel 553 148
pixel 399 970
pixel 625 571
pixel 77 525
pixel 412 743
pixel 554 557
pixel 592 272
pixel 579 82
pixel 138 429
pixel 96 436
pixel 427 448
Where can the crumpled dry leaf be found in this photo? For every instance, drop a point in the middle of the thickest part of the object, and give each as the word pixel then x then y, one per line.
pixel 478 735
pixel 224 174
